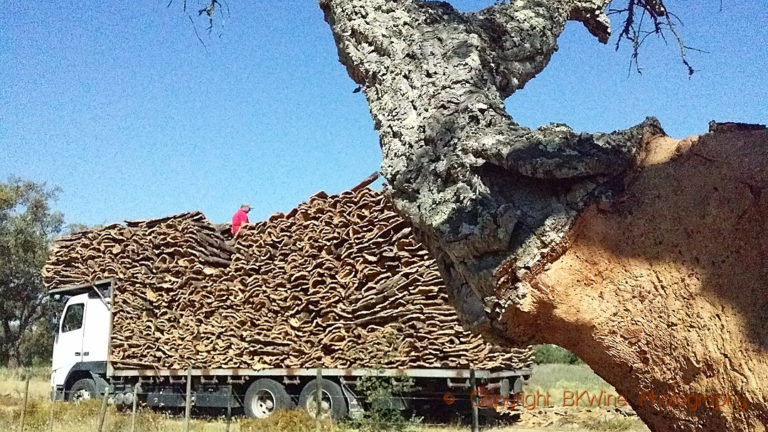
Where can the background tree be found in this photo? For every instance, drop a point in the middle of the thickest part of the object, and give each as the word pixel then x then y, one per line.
pixel 27 226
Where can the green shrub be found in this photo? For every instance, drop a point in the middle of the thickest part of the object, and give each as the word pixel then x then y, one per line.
pixel 36 345
pixel 611 425
pixel 381 414
pixel 545 354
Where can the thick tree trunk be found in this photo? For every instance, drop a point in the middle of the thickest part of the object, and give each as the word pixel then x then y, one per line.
pixel 663 293
pixel 498 204
pixel 9 348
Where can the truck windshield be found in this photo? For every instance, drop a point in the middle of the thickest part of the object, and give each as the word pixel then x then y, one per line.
pixel 73 318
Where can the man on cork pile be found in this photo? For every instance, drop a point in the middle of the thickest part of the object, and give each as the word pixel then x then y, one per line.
pixel 240 217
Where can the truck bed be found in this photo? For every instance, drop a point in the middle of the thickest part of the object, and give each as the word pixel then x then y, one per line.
pixel 312 372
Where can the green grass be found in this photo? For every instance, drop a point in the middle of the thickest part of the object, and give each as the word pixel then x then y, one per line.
pixel 559 376
pixel 556 379
pixel 611 425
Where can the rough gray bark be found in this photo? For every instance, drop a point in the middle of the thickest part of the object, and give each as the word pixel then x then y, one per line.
pixel 496 202
pixel 482 189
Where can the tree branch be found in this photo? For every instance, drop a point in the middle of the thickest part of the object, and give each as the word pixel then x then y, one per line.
pixel 635 31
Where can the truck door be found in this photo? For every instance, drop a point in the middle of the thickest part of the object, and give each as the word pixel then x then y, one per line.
pixel 96 330
pixel 68 345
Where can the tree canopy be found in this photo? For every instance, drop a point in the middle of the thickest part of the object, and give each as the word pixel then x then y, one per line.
pixel 27 227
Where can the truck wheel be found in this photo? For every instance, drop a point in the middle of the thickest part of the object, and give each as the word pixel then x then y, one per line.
pixel 332 403
pixel 265 396
pixel 82 389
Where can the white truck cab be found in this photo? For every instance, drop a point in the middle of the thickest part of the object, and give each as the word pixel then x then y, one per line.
pixel 81 343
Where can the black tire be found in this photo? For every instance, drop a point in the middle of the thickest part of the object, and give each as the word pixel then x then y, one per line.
pixel 333 401
pixel 82 389
pixel 264 397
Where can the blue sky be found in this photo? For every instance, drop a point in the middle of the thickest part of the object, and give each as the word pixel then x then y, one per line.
pixel 119 104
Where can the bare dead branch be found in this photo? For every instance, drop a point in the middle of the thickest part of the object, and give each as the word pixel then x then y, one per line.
pixel 208 9
pixel 681 46
pixel 661 21
pixel 194 27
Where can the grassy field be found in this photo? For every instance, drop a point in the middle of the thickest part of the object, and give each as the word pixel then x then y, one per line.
pixel 562 381
pixel 554 379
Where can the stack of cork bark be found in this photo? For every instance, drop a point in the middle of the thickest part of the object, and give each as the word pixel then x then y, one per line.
pixel 139 252
pixel 338 282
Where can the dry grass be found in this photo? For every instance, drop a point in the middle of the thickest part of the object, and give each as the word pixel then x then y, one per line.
pixel 11 390
pixel 293 421
pixel 84 417
pixel 600 415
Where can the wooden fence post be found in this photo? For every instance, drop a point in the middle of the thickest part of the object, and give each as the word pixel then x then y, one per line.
pixel 229 406
pixel 473 401
pixel 188 404
pixel 318 398
pixel 133 409
pixel 103 412
pixel 24 407
pixel 50 414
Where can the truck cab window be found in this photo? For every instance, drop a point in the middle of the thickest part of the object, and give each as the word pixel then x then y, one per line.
pixel 73 318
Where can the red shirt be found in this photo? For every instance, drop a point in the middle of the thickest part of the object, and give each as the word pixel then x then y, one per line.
pixel 238 219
